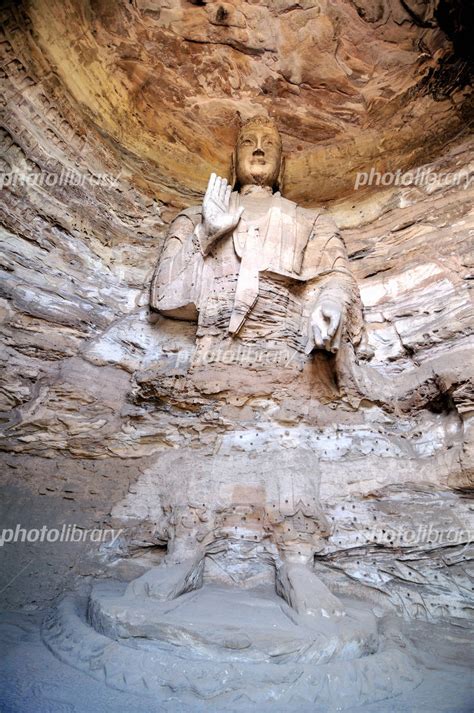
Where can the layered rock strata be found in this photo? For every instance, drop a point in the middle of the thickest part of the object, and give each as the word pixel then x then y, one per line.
pixel 109 416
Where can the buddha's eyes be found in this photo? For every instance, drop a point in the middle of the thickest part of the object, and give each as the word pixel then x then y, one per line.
pixel 254 142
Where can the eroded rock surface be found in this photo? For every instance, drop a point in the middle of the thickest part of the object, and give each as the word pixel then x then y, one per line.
pixel 109 416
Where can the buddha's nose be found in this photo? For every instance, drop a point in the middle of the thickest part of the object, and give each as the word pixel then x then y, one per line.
pixel 259 152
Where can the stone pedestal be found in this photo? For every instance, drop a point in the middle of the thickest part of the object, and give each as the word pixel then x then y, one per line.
pixel 222 648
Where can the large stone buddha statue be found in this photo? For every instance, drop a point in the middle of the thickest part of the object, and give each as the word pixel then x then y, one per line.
pixel 236 604
pixel 252 266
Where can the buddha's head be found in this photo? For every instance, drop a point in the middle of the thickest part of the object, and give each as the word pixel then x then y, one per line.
pixel 258 153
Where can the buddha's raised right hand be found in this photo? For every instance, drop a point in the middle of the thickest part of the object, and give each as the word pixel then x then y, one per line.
pixel 217 219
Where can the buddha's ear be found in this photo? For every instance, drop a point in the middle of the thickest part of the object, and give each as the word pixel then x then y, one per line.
pixel 281 175
pixel 232 173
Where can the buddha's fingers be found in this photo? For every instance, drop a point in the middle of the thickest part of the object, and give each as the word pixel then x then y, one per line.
pixel 210 185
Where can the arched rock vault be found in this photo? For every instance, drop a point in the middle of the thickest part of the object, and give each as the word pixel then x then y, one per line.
pixel 149 93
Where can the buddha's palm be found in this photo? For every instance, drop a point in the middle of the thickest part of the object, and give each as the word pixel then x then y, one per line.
pixel 217 219
pixel 325 323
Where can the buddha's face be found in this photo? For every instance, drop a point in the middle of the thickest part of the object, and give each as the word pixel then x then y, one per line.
pixel 258 156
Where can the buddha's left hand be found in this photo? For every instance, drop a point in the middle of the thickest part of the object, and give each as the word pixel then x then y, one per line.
pixel 325 326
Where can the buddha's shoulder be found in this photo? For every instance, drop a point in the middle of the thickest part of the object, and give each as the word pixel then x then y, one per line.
pixel 309 214
pixel 193 213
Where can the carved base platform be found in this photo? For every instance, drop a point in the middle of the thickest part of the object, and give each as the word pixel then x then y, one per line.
pixel 233 625
pixel 230 649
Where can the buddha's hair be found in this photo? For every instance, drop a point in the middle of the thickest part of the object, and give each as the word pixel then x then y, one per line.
pixel 258 121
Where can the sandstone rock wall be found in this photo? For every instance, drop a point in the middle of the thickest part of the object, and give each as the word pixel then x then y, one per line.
pixel 101 421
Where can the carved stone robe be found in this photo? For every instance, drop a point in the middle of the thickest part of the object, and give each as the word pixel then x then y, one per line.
pixel 259 283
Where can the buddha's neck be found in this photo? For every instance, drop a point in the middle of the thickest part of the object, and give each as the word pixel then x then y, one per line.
pixel 256 190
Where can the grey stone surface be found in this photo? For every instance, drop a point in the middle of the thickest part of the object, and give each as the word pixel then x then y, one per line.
pixel 111 418
pixel 234 624
pixel 235 660
pixel 32 679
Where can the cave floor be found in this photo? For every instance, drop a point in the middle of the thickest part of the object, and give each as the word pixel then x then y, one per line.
pixel 32 680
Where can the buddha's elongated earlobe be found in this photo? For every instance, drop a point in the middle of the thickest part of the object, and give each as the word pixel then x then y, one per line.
pixel 233 171
pixel 281 175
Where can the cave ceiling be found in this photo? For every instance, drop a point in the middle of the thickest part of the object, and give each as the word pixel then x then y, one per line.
pixel 161 85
